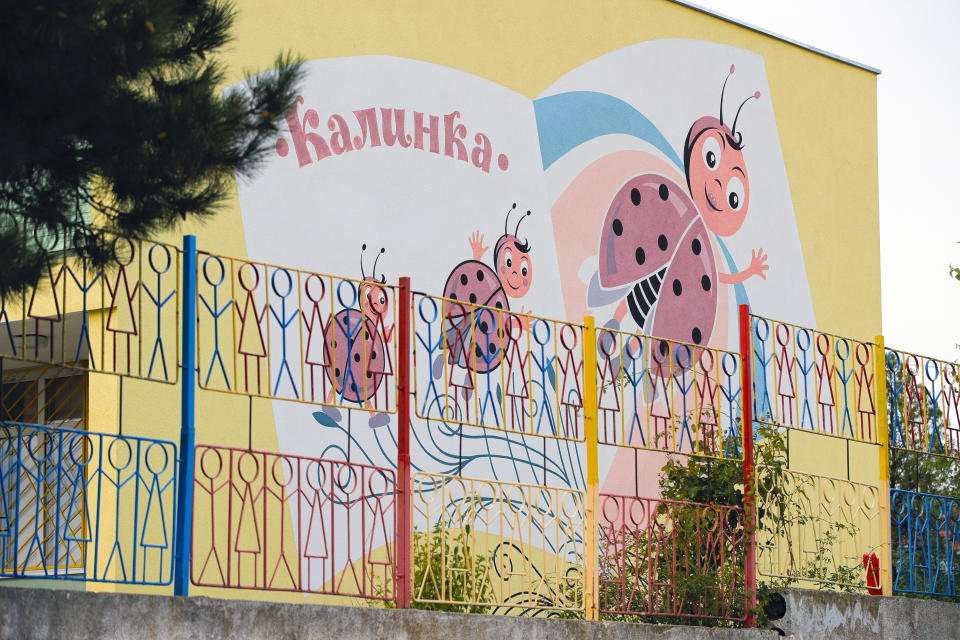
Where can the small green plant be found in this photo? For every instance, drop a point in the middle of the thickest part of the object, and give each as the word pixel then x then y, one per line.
pixel 445 574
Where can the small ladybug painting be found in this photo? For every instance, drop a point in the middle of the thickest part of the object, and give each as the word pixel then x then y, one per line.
pixel 655 246
pixel 474 283
pixel 356 346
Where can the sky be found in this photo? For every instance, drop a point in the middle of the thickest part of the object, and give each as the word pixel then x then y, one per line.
pixel 915 45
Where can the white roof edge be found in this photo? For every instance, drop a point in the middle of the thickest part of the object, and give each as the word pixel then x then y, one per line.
pixel 771 34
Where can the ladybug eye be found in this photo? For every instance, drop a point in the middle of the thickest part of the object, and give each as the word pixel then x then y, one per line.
pixel 508 259
pixel 382 299
pixel 735 193
pixel 711 152
pixel 524 268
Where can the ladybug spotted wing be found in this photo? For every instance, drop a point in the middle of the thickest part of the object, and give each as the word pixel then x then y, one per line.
pixel 654 238
pixel 355 354
pixel 648 216
pixel 687 307
pixel 474 283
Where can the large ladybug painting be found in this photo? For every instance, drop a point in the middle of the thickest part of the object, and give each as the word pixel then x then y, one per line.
pixel 655 247
pixel 476 338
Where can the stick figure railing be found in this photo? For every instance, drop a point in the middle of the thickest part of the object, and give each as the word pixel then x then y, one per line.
pixel 816 381
pixel 277 332
pixel 665 395
pixel 280 522
pixel 814 529
pixel 120 318
pixel 671 558
pixel 493 368
pixel 498 546
pixel 926 543
pixel 78 505
pixel 924 395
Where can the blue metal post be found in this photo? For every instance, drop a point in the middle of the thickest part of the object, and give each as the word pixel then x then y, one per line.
pixel 188 412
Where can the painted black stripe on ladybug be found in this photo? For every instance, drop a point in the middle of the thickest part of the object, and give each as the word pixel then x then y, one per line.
pixel 643 296
pixel 648 291
pixel 641 301
pixel 638 316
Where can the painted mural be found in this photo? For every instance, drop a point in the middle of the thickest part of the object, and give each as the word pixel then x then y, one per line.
pixel 647 186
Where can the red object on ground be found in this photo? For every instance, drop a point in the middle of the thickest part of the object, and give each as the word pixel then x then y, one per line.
pixel 872 564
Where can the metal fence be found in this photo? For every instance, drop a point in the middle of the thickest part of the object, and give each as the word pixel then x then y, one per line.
pixel 91 506
pixel 672 396
pixel 280 522
pixel 815 529
pixel 494 368
pixel 516 548
pixel 808 379
pixel 277 332
pixel 668 558
pixel 926 543
pixel 78 505
pixel 925 396
pixel 120 319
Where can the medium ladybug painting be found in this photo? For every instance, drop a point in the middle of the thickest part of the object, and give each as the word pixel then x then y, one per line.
pixel 656 252
pixel 476 338
pixel 356 347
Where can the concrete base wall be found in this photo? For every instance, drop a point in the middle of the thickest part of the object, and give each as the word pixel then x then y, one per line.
pixel 70 615
pixel 814 615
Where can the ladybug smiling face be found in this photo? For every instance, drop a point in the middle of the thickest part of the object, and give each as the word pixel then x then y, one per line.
pixel 717 175
pixel 514 268
pixel 376 298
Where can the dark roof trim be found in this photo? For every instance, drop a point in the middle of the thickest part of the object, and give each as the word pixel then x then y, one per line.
pixel 795 43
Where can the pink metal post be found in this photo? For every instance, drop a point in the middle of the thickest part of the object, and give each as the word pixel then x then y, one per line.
pixel 404 534
pixel 750 520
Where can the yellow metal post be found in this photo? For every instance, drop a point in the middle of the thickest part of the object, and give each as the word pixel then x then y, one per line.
pixel 883 439
pixel 591 550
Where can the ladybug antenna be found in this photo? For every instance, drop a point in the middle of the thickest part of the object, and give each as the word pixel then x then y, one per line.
pixel 723 90
pixel 383 278
pixel 363 248
pixel 733 129
pixel 506 220
pixel 522 218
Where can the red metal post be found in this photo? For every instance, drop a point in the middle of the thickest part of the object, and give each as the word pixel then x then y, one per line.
pixel 404 535
pixel 750 517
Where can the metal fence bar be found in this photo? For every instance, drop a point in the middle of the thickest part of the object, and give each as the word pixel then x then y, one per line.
pixel 926 543
pixel 883 451
pixel 670 558
pixel 188 415
pixel 591 544
pixel 749 471
pixel 404 528
pixel 278 522
pixel 80 505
